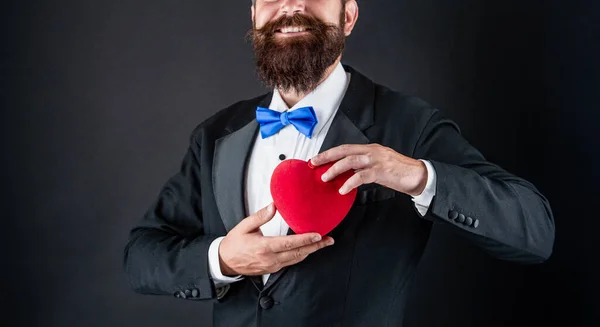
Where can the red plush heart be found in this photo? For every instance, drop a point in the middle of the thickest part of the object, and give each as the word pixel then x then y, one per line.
pixel 305 202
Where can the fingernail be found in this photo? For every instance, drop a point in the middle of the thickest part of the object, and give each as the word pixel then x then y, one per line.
pixel 316 238
pixel 324 177
pixel 270 208
pixel 342 191
pixel 330 242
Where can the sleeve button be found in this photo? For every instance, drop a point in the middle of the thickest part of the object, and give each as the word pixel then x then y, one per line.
pixel 452 214
pixel 469 221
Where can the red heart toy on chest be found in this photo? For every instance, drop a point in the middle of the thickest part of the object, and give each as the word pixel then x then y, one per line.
pixel 305 202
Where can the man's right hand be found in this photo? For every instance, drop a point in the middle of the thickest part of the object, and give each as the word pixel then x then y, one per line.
pixel 245 251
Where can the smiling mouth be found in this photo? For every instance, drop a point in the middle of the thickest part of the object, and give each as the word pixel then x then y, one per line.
pixel 292 30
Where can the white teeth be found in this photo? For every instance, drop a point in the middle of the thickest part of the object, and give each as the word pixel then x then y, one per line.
pixel 293 29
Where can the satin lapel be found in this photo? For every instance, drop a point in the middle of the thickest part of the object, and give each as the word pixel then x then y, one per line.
pixel 343 131
pixel 231 156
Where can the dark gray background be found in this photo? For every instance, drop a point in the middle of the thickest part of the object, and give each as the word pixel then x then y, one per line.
pixel 99 99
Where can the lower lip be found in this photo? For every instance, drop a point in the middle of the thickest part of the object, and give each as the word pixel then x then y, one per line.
pixel 291 34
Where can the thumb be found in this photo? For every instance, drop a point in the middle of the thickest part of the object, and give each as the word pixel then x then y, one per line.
pixel 258 219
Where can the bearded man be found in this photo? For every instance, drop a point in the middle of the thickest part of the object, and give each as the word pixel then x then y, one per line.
pixel 213 232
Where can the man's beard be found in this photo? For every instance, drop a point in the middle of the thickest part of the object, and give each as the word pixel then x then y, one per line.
pixel 297 63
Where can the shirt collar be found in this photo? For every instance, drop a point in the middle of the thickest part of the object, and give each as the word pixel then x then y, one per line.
pixel 325 98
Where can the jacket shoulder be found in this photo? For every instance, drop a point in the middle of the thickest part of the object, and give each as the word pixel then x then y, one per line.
pixel 396 107
pixel 224 119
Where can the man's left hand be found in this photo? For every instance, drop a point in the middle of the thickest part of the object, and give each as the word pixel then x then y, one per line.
pixel 374 163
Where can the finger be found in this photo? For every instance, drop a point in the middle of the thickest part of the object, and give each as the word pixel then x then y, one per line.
pixel 350 162
pixel 296 255
pixel 253 222
pixel 358 179
pixel 290 242
pixel 338 153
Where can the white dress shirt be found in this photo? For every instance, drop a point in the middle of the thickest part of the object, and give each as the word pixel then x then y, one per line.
pixel 290 143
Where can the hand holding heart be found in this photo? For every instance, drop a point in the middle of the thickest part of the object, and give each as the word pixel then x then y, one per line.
pixel 316 196
pixel 245 251
pixel 374 163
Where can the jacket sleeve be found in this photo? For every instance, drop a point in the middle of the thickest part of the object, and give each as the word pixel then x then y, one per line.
pixel 503 214
pixel 167 252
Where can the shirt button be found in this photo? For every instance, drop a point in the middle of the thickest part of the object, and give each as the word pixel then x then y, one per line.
pixel 282 157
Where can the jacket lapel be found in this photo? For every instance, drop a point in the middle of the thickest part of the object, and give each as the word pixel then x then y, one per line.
pixel 354 115
pixel 231 155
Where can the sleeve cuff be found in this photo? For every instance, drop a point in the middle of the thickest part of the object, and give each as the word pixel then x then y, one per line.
pixel 423 200
pixel 215 267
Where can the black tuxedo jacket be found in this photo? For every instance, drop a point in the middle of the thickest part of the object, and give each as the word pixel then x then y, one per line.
pixel 362 279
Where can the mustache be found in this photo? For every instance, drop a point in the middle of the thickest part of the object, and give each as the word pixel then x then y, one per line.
pixel 311 24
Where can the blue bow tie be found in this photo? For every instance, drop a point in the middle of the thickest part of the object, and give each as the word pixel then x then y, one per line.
pixel 271 121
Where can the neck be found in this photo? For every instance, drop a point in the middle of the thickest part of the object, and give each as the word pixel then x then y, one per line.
pixel 291 98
